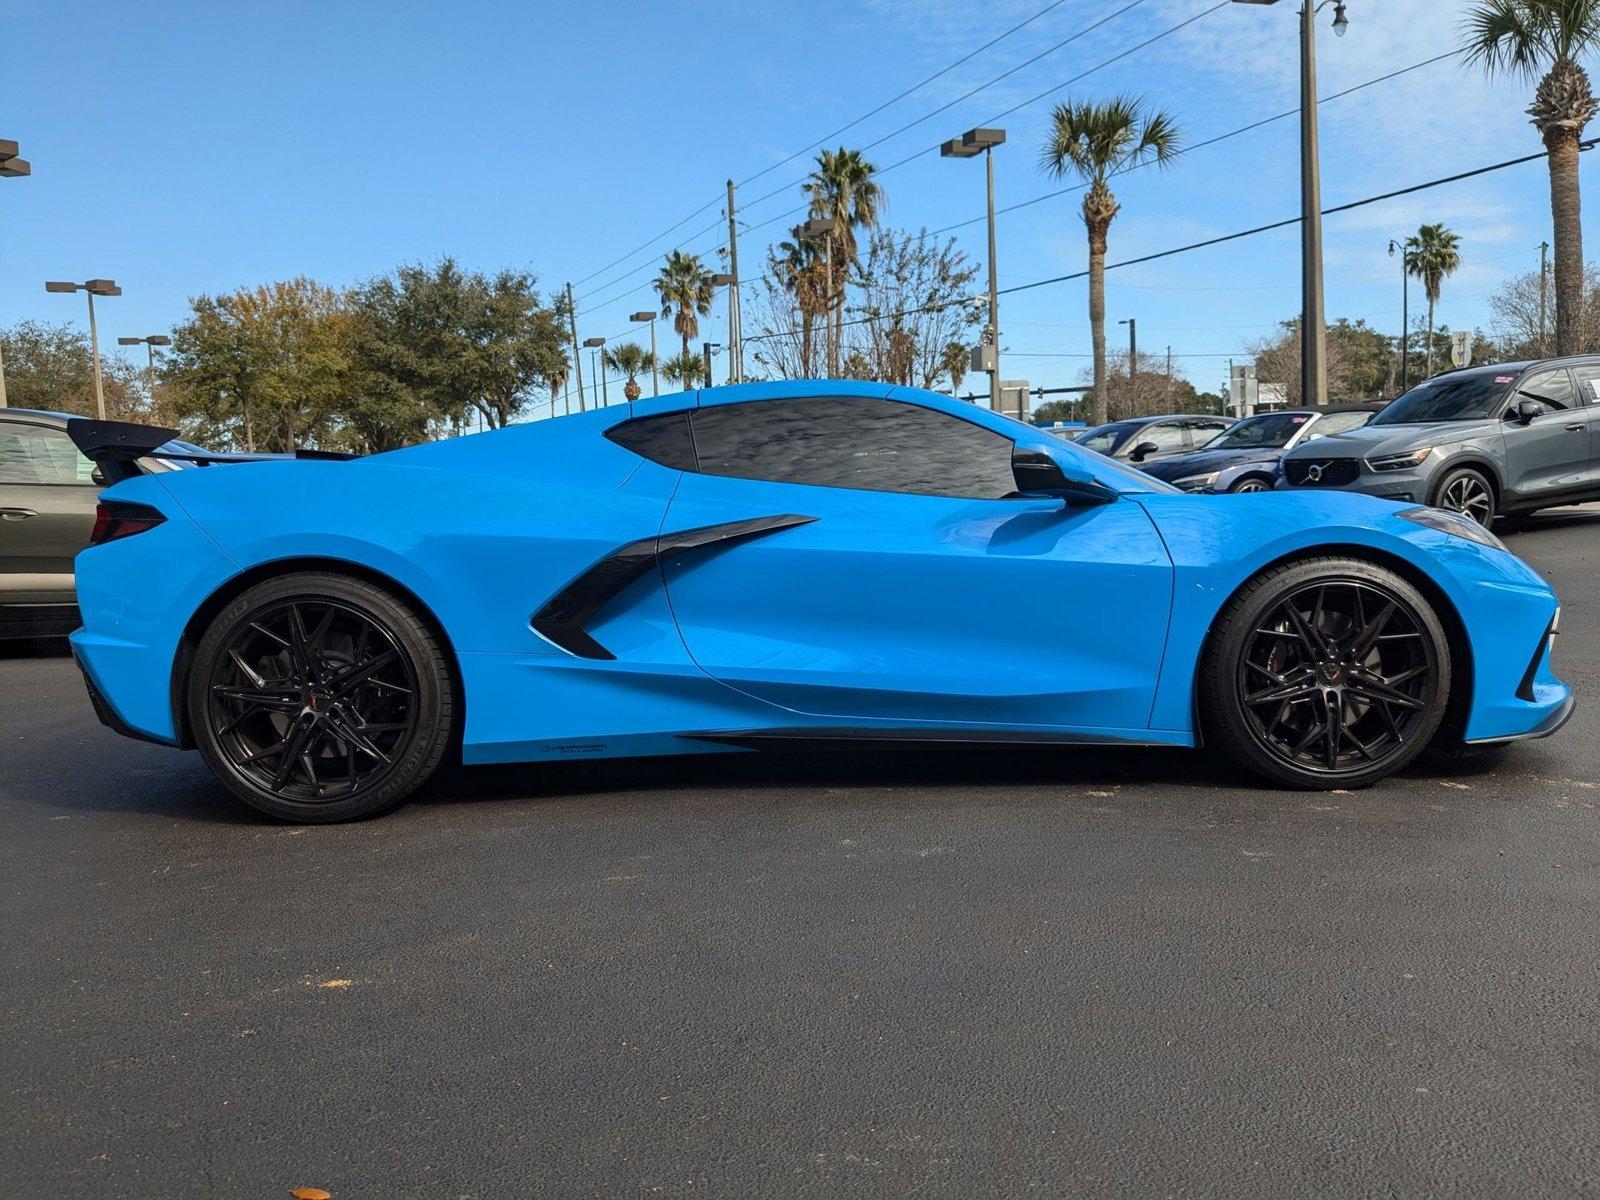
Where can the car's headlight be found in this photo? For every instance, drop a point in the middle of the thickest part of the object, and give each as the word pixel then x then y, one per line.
pixel 1399 462
pixel 1447 521
pixel 1193 483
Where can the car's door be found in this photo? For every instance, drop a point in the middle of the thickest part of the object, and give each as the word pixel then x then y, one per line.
pixel 1550 454
pixel 907 580
pixel 47 506
pixel 1587 378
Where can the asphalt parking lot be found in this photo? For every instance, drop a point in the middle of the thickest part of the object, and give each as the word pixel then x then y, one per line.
pixel 952 974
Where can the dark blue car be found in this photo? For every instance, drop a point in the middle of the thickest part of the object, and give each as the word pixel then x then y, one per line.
pixel 1245 458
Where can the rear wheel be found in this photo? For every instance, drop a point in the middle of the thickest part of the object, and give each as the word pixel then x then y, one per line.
pixel 317 697
pixel 1466 490
pixel 1325 673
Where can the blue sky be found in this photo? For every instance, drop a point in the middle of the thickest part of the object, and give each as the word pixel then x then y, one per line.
pixel 189 148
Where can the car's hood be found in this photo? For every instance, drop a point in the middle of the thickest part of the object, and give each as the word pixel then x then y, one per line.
pixel 1371 440
pixel 1202 462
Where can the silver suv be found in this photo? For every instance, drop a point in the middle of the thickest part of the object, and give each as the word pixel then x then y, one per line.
pixel 1498 440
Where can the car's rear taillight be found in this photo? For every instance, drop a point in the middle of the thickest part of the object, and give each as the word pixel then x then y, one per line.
pixel 115 519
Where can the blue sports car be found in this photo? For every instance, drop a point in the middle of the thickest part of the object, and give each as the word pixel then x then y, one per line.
pixel 772 563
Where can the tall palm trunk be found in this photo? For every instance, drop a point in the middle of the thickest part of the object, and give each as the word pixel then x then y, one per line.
pixel 1562 105
pixel 1429 373
pixel 1099 207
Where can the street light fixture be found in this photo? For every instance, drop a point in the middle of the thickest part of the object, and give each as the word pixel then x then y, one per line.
pixel 820 229
pixel 149 343
pixel 970 144
pixel 1313 318
pixel 649 316
pixel 727 281
pixel 91 288
pixel 12 167
pixel 595 345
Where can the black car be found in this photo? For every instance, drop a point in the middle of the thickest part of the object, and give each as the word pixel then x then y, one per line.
pixel 1245 458
pixel 1141 439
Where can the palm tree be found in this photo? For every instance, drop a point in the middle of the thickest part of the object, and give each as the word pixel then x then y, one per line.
pixel 556 377
pixel 1433 254
pixel 685 293
pixel 1094 142
pixel 954 362
pixel 686 369
pixel 630 358
pixel 1523 38
pixel 799 267
pixel 842 190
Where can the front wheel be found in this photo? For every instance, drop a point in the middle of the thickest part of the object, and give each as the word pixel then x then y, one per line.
pixel 317 697
pixel 1468 491
pixel 1326 673
pixel 1251 483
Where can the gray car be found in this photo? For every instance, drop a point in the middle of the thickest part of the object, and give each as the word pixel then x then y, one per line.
pixel 1499 440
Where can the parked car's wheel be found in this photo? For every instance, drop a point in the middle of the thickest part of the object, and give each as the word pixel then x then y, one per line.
pixel 1251 483
pixel 1330 672
pixel 1465 490
pixel 318 697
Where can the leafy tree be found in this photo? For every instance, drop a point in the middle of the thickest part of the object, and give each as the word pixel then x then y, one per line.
pixel 1152 393
pixel 1433 254
pixel 1051 411
pixel 685 294
pixel 1525 38
pixel 1094 142
pixel 842 190
pixel 262 368
pixel 687 369
pixel 799 269
pixel 52 367
pixel 432 344
pixel 630 358
pixel 954 362
pixel 1359 361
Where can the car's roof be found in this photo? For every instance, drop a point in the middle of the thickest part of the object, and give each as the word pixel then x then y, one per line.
pixel 1324 409
pixel 34 414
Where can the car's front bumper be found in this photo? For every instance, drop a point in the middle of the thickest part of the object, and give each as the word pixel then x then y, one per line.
pixel 1409 485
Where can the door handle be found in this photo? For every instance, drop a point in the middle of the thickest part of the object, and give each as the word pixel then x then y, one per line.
pixel 16 514
pixel 1577 428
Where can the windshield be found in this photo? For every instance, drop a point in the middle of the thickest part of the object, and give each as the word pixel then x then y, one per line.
pixel 1106 438
pixel 1473 397
pixel 1269 431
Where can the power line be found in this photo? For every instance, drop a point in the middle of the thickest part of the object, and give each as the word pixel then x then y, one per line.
pixel 873 112
pixel 1215 241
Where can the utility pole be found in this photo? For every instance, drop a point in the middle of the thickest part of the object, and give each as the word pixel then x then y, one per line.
pixel 2 376
pixel 735 318
pixel 705 350
pixel 577 353
pixel 1544 278
pixel 1313 321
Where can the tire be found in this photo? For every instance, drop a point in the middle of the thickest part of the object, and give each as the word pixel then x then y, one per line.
pixel 1269 682
pixel 1251 483
pixel 362 713
pixel 1468 491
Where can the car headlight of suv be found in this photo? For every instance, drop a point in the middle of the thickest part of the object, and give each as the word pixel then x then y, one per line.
pixel 1447 521
pixel 1399 462
pixel 1196 483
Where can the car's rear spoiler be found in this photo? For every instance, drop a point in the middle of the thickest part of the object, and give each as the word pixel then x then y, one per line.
pixel 118 445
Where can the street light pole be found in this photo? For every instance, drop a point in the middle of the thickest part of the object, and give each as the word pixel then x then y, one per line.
pixel 1544 280
pixel 149 343
pixel 966 146
pixel 11 167
pixel 1133 349
pixel 594 344
pixel 655 378
pixel 91 288
pixel 1399 247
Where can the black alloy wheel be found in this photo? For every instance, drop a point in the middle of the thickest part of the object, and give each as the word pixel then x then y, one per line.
pixel 320 698
pixel 1468 492
pixel 1329 673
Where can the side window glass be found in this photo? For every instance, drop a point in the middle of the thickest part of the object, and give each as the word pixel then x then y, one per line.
pixel 1167 436
pixel 1588 378
pixel 1553 389
pixel 33 454
pixel 662 439
pixel 1339 423
pixel 873 445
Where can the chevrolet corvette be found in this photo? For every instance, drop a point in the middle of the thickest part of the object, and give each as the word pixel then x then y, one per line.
pixel 771 564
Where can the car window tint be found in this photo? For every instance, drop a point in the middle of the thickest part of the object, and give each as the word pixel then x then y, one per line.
pixel 34 454
pixel 1588 378
pixel 1105 439
pixel 1167 436
pixel 1343 422
pixel 875 445
pixel 664 439
pixel 1553 389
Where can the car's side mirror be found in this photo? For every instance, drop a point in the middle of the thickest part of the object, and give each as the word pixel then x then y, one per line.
pixel 1527 410
pixel 1143 451
pixel 97 477
pixel 1039 473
